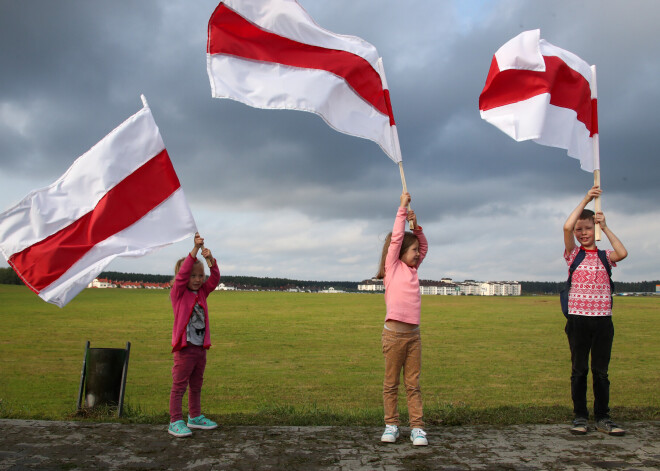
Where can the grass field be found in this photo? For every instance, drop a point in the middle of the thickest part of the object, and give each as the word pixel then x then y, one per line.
pixel 300 358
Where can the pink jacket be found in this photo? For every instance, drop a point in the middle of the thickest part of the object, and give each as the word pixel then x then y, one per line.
pixel 402 297
pixel 184 300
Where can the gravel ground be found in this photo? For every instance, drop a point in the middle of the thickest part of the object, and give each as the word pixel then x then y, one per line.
pixel 46 445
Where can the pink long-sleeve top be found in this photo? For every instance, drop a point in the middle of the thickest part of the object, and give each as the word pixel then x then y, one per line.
pixel 402 297
pixel 184 300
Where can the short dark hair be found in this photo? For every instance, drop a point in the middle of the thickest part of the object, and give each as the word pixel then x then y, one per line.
pixel 586 214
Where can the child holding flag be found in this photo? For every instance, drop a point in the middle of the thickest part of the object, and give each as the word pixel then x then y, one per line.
pixel 589 320
pixel 191 337
pixel 402 254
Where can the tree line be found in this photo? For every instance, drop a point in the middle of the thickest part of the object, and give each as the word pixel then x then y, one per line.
pixel 9 277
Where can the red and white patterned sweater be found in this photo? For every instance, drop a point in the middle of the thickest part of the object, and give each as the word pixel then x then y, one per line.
pixel 590 285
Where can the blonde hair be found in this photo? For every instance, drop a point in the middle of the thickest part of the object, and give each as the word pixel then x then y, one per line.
pixel 408 239
pixel 179 262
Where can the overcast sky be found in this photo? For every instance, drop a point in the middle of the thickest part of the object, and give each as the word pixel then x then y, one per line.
pixel 281 194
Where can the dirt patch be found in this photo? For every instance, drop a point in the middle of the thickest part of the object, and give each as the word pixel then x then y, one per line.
pixel 48 445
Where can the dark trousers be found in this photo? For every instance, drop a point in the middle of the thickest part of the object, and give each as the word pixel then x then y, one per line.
pixel 590 334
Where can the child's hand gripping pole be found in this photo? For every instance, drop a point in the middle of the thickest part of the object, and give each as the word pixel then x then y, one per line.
pixel 199 245
pixel 405 190
pixel 209 261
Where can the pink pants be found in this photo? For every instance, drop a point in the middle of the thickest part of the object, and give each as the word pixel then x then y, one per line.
pixel 188 369
pixel 403 351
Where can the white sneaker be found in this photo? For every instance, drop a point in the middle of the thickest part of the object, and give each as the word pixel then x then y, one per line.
pixel 390 434
pixel 418 437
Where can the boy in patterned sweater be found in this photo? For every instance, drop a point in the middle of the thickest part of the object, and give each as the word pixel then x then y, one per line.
pixel 589 321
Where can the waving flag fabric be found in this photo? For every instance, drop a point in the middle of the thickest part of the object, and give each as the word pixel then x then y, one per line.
pixel 120 198
pixel 535 90
pixel 271 54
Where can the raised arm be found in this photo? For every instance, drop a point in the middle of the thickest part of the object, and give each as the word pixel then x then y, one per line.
pixel 620 251
pixel 398 230
pixel 569 225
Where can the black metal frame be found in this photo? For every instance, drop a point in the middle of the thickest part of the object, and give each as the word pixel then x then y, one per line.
pixel 122 389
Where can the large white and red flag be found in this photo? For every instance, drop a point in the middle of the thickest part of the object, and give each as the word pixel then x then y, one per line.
pixel 120 198
pixel 535 90
pixel 271 54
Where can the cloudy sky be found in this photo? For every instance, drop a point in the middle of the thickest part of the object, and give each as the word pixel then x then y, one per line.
pixel 281 194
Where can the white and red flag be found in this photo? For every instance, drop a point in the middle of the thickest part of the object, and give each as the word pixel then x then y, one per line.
pixel 120 198
pixel 535 90
pixel 271 54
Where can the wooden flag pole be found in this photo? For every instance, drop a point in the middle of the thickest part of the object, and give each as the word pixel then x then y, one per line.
pixel 596 150
pixel 597 201
pixel 405 190
pixel 395 134
pixel 146 105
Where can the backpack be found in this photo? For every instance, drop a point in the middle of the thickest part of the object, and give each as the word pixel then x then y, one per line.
pixel 563 294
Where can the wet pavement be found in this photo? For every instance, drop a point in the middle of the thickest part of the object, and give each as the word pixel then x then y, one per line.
pixel 45 445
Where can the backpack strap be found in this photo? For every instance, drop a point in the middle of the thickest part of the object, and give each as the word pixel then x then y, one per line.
pixel 576 262
pixel 563 294
pixel 606 263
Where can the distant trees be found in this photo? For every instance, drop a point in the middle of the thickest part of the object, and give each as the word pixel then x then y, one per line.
pixel 147 278
pixel 9 277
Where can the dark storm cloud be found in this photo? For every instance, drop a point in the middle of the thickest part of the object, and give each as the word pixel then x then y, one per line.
pixel 72 71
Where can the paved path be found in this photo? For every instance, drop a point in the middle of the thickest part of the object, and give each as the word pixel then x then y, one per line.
pixel 43 445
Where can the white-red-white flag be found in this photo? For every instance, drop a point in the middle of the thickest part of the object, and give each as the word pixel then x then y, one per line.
pixel 535 90
pixel 271 54
pixel 120 198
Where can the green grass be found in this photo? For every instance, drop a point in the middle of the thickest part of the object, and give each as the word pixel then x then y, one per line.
pixel 299 358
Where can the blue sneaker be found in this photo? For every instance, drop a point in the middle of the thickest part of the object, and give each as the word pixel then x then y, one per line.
pixel 418 437
pixel 179 429
pixel 201 422
pixel 390 434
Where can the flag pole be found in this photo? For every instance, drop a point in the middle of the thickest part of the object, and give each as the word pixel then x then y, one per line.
pixel 400 162
pixel 146 105
pixel 394 132
pixel 596 148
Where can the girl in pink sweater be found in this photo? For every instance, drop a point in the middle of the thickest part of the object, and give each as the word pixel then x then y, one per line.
pixel 191 337
pixel 403 252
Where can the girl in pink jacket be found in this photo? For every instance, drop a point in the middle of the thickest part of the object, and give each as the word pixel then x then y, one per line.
pixel 191 337
pixel 402 255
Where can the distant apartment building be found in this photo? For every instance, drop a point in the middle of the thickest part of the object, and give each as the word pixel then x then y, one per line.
pixel 373 284
pixel 444 287
pixel 223 287
pixel 101 283
pixel 470 288
pixel 501 288
pixel 447 287
pixel 331 290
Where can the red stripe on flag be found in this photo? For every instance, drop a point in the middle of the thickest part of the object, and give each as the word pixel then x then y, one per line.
pixel 131 199
pixel 231 34
pixel 567 89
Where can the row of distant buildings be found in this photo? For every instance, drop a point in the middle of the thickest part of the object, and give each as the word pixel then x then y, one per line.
pixel 447 287
pixel 106 283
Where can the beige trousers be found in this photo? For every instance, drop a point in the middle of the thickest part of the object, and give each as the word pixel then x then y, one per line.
pixel 402 350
